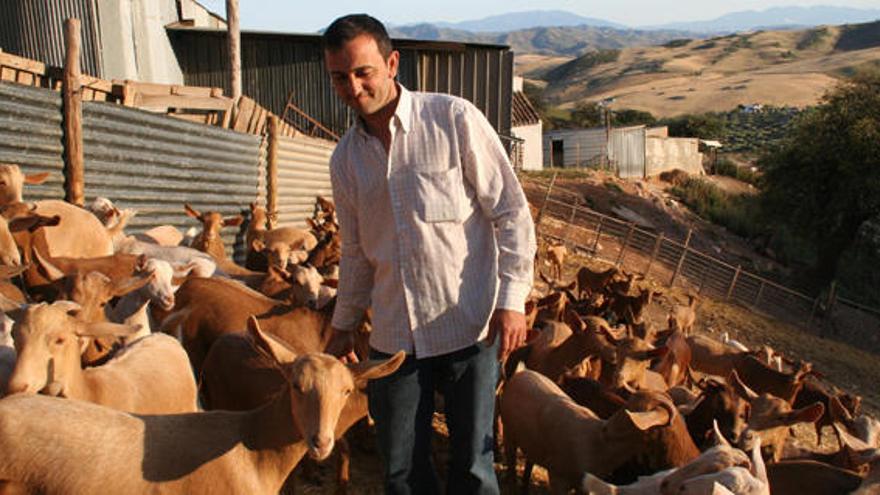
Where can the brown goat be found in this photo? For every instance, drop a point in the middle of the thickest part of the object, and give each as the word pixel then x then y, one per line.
pixel 589 281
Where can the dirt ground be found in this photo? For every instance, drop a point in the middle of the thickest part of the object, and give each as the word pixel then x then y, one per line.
pixel 846 366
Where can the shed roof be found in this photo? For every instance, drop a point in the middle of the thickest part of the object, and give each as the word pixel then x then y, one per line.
pixel 522 111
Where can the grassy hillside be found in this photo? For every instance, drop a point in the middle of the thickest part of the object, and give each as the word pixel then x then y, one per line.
pixel 779 68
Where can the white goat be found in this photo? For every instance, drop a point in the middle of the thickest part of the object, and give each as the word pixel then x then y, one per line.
pixel 151 376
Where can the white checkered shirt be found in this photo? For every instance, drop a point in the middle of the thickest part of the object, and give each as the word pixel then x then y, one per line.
pixel 435 234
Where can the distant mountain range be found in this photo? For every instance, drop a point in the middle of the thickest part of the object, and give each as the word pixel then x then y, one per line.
pixel 776 18
pixel 525 20
pixel 565 41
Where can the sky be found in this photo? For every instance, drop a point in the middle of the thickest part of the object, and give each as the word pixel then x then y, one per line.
pixel 306 17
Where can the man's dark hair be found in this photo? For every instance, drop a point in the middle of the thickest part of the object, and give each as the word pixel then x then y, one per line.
pixel 347 28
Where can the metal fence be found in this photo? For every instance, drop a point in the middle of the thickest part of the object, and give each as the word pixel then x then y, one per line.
pixel 154 163
pixel 676 263
pixel 303 173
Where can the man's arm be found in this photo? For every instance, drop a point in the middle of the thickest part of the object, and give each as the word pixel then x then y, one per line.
pixel 355 271
pixel 488 170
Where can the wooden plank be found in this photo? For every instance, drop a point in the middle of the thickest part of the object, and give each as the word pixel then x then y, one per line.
pixel 272 170
pixel 21 63
pixel 194 103
pixel 243 115
pixel 233 37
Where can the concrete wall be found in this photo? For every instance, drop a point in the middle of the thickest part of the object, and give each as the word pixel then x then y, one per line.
pixel 670 153
pixel 533 153
pixel 134 42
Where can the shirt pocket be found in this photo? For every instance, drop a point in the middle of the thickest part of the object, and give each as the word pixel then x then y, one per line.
pixel 439 195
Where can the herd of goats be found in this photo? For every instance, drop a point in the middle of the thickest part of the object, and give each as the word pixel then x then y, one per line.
pixel 154 363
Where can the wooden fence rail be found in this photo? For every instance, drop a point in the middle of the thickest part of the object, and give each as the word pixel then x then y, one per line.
pixel 585 230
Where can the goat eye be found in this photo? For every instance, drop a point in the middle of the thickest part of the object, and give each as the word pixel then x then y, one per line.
pixel 347 392
pixel 58 341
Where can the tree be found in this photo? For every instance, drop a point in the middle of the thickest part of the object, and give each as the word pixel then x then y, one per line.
pixel 823 182
pixel 704 126
pixel 587 115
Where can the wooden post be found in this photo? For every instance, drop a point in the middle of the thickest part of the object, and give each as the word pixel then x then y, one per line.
pixel 629 234
pixel 71 95
pixel 733 283
pixel 546 199
pixel 570 226
pixel 598 235
pixel 654 254
pixel 684 251
pixel 272 172
pixel 760 293
pixel 233 31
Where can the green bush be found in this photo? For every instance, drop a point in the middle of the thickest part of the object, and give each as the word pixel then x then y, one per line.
pixel 677 43
pixel 739 213
pixel 730 169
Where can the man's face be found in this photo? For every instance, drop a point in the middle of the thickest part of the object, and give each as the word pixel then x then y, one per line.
pixel 362 78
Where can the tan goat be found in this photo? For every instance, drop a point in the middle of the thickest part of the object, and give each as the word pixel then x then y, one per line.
pixel 199 453
pixel 683 317
pixel 567 439
pixel 151 376
pixel 12 182
pixel 556 253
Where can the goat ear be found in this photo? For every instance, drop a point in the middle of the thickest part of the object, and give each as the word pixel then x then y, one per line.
pixel 573 320
pixel 131 284
pixel 838 412
pixel 36 178
pixel 8 305
pixel 652 353
pixel 809 414
pixel 33 222
pixel 741 388
pixel 190 211
pixel 280 352
pixel 105 329
pixel 718 437
pixel 647 420
pixel 372 369
pixel 141 263
pixel 233 221
pixel 53 273
pixel 7 272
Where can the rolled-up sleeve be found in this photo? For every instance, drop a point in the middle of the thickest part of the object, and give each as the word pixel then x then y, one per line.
pixel 355 270
pixel 488 171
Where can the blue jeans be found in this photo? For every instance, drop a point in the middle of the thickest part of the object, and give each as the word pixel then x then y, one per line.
pixel 402 405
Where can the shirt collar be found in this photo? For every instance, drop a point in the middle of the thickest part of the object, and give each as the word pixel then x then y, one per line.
pixel 402 114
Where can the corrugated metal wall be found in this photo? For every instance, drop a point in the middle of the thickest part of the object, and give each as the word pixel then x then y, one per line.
pixel 274 65
pixel 154 164
pixel 30 136
pixel 581 147
pixel 35 29
pixel 626 150
pixel 303 173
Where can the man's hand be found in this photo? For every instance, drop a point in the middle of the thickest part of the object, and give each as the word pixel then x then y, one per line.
pixel 341 345
pixel 510 327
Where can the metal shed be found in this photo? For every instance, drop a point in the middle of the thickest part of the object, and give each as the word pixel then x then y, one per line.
pixel 276 65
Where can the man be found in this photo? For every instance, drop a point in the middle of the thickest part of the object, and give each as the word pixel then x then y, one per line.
pixel 437 238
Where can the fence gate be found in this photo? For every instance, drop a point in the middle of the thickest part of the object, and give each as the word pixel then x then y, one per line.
pixel 626 149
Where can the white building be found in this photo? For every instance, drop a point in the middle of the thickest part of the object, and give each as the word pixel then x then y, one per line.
pixel 525 124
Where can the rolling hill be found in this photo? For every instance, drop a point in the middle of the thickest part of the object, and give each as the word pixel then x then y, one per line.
pixel 782 68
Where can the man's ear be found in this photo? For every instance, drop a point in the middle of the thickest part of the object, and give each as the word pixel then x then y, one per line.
pixel 393 63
